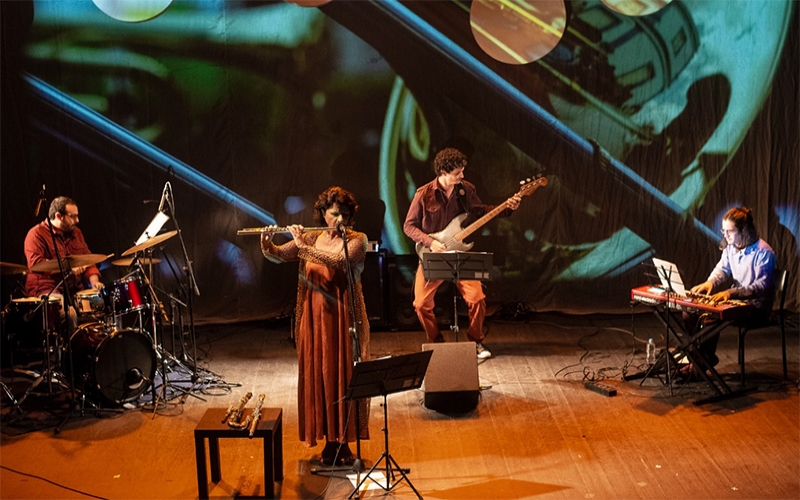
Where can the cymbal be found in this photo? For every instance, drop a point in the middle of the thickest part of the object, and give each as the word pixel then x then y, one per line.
pixel 9 268
pixel 71 262
pixel 129 261
pixel 155 240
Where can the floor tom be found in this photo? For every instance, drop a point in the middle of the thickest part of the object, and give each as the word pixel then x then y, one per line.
pixel 24 322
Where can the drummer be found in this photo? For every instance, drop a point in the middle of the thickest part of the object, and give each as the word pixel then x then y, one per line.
pixel 63 215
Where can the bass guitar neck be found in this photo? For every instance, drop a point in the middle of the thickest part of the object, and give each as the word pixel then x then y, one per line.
pixel 452 236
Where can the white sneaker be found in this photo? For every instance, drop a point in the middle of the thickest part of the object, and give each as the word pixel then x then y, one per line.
pixel 483 352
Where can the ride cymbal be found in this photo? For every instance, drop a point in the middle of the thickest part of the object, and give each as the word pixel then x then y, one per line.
pixel 155 240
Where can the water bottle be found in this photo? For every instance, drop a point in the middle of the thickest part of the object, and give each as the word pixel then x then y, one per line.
pixel 651 352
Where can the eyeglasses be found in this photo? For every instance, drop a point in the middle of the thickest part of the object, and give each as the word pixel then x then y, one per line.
pixel 71 216
pixel 726 232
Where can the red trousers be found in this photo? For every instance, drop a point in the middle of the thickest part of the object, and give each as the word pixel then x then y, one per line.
pixel 471 292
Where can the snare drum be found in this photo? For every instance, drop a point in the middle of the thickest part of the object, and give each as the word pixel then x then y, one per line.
pixel 23 322
pixel 90 302
pixel 127 295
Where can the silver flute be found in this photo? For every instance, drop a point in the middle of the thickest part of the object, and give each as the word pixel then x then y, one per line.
pixel 256 414
pixel 281 229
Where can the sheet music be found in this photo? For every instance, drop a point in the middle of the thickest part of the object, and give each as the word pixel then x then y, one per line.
pixel 153 228
pixel 669 276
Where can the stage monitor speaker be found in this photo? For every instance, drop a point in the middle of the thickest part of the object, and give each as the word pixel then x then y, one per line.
pixel 402 316
pixel 373 284
pixel 451 383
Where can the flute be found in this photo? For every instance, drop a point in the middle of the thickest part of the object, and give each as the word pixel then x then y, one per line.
pixel 256 414
pixel 281 229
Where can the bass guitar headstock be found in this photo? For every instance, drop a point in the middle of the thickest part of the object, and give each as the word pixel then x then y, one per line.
pixel 530 185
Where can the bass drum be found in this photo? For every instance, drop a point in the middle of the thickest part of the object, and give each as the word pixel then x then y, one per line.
pixel 119 365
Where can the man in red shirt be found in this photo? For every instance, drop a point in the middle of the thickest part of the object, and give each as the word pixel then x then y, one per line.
pixel 63 215
pixel 434 205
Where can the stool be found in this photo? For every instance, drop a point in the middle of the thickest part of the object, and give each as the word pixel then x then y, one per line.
pixel 211 427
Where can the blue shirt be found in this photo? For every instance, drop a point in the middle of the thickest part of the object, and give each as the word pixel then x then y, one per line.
pixel 752 269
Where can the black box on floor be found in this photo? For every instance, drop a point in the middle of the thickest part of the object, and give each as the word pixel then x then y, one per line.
pixel 451 383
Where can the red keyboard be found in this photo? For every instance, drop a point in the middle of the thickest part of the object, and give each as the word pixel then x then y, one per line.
pixel 729 310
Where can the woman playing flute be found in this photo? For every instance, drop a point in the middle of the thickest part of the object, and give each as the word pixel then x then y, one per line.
pixel 322 322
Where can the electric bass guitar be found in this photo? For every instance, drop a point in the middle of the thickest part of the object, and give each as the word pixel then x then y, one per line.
pixel 452 237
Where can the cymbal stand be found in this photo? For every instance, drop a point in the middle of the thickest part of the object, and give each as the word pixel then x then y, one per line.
pixel 161 353
pixel 48 372
pixel 11 397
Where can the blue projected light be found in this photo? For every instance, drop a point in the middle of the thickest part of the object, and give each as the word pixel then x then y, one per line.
pixel 237 262
pixel 294 204
pixel 789 217
pixel 144 150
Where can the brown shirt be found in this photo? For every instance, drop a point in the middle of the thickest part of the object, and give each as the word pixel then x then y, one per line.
pixel 431 210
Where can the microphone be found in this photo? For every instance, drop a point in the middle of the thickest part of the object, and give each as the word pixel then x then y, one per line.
pixel 164 196
pixel 341 227
pixel 149 201
pixel 40 202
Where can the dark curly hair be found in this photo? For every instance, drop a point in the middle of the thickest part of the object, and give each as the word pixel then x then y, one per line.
pixel 448 160
pixel 742 219
pixel 59 206
pixel 335 194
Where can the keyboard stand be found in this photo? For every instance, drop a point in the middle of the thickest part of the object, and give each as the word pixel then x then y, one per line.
pixel 688 346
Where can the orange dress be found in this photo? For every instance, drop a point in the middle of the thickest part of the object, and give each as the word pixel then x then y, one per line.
pixel 324 344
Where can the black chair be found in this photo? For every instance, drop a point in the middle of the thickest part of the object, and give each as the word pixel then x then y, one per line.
pixel 776 318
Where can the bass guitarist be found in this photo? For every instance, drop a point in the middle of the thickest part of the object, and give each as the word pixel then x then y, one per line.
pixel 434 206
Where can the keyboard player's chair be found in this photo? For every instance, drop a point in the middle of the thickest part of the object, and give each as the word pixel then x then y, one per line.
pixel 776 318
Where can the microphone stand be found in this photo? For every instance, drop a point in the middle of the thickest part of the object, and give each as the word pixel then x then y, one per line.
pixel 68 307
pixel 191 289
pixel 358 464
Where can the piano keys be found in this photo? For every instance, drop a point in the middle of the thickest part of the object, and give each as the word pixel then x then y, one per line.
pixel 730 310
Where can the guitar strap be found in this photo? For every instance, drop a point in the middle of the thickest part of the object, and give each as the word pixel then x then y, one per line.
pixel 461 194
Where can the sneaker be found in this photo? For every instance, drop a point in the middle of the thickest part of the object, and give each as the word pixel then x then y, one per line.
pixel 483 352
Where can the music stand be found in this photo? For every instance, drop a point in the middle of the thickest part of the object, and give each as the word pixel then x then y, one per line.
pixel 672 284
pixel 381 377
pixel 456 266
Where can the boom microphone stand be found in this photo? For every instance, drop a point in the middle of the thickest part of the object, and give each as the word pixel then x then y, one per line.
pixel 191 289
pixel 66 304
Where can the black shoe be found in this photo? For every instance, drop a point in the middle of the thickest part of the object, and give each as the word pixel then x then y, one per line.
pixel 333 455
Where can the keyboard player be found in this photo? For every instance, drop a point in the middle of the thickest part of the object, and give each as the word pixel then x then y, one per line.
pixel 748 262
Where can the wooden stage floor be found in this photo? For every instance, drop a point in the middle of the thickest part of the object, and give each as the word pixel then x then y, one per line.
pixel 537 432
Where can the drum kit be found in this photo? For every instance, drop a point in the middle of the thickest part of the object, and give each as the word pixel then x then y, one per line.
pixel 110 356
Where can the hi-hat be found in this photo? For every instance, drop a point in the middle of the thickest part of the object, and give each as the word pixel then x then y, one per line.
pixel 9 268
pixel 129 261
pixel 71 262
pixel 155 240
